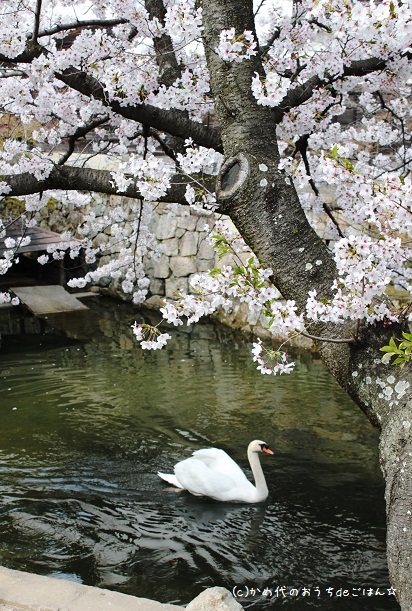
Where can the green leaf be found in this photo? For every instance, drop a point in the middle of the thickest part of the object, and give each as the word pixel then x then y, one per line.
pixel 390 348
pixel 403 352
pixel 400 361
pixel 333 153
pixel 215 271
pixel 348 165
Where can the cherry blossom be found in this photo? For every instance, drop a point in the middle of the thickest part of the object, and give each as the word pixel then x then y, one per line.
pixel 236 47
pixel 271 362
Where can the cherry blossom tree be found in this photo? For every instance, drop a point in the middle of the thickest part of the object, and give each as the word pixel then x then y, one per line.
pixel 249 105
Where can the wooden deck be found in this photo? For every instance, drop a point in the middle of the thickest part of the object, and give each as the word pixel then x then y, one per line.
pixel 40 238
pixel 42 300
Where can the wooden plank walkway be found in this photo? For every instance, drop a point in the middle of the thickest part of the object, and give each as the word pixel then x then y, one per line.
pixel 42 300
pixel 40 238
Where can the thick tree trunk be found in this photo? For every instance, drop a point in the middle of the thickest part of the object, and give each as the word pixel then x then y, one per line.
pixel 266 210
pixel 396 463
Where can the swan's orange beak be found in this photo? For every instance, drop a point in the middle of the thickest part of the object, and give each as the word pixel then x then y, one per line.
pixel 267 450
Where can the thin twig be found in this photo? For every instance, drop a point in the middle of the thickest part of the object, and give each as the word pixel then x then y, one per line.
pixel 399 167
pixel 165 147
pixel 139 220
pixel 265 50
pixel 259 7
pixel 301 146
pixel 349 340
pixel 394 114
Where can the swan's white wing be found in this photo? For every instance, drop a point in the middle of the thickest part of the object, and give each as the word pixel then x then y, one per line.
pixel 170 479
pixel 220 462
pixel 199 479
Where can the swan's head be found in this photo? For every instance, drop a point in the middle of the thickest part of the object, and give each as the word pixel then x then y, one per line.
pixel 259 446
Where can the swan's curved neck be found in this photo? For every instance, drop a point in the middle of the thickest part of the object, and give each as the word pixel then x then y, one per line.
pixel 260 481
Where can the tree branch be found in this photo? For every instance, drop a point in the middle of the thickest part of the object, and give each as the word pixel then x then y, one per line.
pixel 6 73
pixel 36 21
pixel 71 178
pixel 80 133
pixel 88 23
pixel 320 25
pixel 168 150
pixel 297 96
pixel 174 122
pixel 169 69
pixel 32 51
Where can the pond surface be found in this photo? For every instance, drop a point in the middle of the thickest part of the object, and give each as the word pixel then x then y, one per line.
pixel 85 426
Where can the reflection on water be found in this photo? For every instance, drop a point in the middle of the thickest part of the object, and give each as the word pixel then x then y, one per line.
pixel 86 426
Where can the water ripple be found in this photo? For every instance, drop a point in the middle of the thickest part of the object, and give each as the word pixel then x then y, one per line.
pixel 85 428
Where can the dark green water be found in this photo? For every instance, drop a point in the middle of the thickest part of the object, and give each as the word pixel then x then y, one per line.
pixel 86 425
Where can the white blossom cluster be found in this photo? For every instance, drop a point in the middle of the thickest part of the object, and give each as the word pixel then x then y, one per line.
pixel 269 361
pixel 125 263
pixel 184 21
pixel 156 341
pixel 7 298
pixel 199 159
pixel 236 47
pixel 200 200
pixel 364 268
pixel 151 176
pixel 247 283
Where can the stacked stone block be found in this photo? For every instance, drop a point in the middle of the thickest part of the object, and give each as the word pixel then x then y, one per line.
pixel 186 250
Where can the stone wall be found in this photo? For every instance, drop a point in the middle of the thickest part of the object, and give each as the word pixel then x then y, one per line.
pixel 187 251
pixel 183 235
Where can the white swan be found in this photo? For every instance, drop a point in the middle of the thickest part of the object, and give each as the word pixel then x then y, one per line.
pixel 211 472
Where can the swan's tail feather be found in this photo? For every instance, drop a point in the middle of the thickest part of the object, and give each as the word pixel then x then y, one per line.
pixel 170 479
